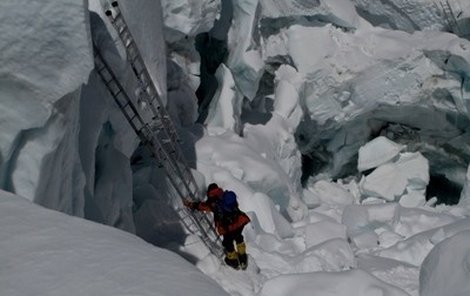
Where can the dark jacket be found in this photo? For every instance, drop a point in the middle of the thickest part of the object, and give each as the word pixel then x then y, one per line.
pixel 224 223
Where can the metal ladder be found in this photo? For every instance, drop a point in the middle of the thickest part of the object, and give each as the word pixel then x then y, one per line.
pixel 162 124
pixel 158 135
pixel 450 17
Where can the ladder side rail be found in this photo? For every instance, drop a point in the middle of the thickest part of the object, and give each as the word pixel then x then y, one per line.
pixel 103 70
pixel 181 170
pixel 449 16
pixel 193 224
pixel 173 175
pixel 135 59
pixel 132 51
pixel 128 108
pixel 185 172
pixel 131 113
pixel 159 154
pixel 134 55
pixel 165 156
pixel 202 218
pixel 175 167
pixel 140 71
pixel 203 230
pixel 143 75
pixel 453 19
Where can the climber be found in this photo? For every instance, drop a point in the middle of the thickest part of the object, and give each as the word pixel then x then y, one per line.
pixel 229 222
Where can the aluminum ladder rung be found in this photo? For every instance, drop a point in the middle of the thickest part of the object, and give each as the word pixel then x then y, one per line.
pixel 164 145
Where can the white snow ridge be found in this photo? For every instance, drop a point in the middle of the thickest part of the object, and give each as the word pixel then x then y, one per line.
pixel 343 127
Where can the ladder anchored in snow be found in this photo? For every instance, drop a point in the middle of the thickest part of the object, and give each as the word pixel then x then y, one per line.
pixel 450 17
pixel 156 132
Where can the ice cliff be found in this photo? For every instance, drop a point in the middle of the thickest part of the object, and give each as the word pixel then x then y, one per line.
pixel 46 58
pixel 65 145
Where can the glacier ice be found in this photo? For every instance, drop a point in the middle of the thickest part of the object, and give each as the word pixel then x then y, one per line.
pixel 452 254
pixel 403 15
pixel 288 84
pixel 465 195
pixel 185 24
pixel 145 21
pixel 390 181
pixel 338 283
pixel 245 59
pixel 225 107
pixel 377 152
pixel 182 101
pixel 320 232
pixel 72 153
pixel 352 84
pixel 184 19
pixel 333 255
pixel 265 174
pixel 331 193
pixel 40 80
pixel 415 167
pixel 46 166
pixel 412 198
pixel 270 220
pixel 276 14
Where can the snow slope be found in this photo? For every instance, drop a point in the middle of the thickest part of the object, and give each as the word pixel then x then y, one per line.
pixel 450 255
pixel 49 253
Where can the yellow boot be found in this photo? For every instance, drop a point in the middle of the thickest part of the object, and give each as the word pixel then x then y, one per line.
pixel 231 259
pixel 242 257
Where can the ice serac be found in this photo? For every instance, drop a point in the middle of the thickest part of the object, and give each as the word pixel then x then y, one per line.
pixel 446 269
pixel 46 56
pixel 282 13
pixel 465 194
pixel 271 222
pixel 106 140
pixel 145 21
pixel 278 132
pixel 377 152
pixel 182 101
pixel 288 85
pixel 283 155
pixel 245 59
pixel 226 106
pixel 409 173
pixel 230 155
pixel 189 43
pixel 404 15
pixel 184 23
pixel 376 82
pixel 185 18
pixel 47 167
pixel 86 258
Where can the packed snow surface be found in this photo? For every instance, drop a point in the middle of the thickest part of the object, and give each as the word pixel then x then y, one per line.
pixel 49 253
pixel 347 240
pixel 450 255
